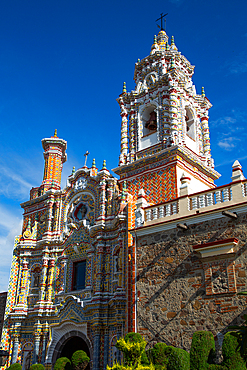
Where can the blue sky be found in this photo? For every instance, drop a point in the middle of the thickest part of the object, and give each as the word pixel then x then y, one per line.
pixel 63 63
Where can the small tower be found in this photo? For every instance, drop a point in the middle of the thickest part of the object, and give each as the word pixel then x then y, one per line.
pixel 55 156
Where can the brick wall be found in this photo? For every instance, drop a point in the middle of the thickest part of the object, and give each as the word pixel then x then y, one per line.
pixel 3 297
pixel 178 292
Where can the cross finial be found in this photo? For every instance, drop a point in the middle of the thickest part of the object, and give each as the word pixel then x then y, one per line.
pixel 161 21
pixel 86 155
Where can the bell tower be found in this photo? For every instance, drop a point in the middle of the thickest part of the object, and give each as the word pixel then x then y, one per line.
pixel 164 129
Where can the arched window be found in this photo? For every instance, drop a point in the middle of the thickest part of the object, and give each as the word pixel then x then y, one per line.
pixel 190 123
pixel 149 121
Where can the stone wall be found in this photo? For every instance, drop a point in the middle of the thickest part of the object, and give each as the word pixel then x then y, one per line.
pixel 178 292
pixel 3 297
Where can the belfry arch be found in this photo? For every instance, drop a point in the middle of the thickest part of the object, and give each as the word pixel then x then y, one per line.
pixel 71 342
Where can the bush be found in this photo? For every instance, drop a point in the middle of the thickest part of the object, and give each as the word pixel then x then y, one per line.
pixel 232 358
pixel 63 363
pixel 80 360
pixel 158 355
pixel 137 338
pixel 37 367
pixel 202 350
pixel 132 351
pixel 16 366
pixel 178 359
pixel 117 366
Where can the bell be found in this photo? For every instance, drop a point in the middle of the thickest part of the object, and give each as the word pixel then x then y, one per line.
pixel 151 124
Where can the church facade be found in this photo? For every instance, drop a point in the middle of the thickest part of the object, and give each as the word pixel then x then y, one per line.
pixel 161 250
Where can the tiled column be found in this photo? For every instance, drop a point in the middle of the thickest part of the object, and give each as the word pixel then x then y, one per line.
pixel 96 350
pixel 15 348
pixel 106 348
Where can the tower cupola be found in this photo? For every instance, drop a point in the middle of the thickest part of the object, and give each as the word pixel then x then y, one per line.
pixel 55 156
pixel 164 120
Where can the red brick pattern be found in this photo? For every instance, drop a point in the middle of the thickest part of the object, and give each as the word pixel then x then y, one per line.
pixel 158 185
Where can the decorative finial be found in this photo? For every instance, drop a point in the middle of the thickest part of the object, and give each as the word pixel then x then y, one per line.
pixel 203 92
pixel 172 62
pixel 173 46
pixel 104 165
pixel 86 155
pixel 124 88
pixel 167 46
pixel 73 170
pixel 55 133
pixel 138 60
pixel 155 39
pixel 93 164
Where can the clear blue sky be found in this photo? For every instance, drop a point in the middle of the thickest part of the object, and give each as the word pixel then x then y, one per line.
pixel 63 63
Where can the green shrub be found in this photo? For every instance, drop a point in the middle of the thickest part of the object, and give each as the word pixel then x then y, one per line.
pixel 137 338
pixel 63 363
pixel 37 367
pixel 16 366
pixel 132 351
pixel 117 366
pixel 232 358
pixel 80 360
pixel 202 350
pixel 177 359
pixel 158 356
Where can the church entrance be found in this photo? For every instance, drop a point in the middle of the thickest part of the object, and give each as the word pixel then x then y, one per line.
pixel 70 343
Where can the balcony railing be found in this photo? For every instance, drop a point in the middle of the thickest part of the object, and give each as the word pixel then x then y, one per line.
pixel 187 204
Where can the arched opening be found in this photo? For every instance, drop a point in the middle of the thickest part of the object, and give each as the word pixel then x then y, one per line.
pixel 70 343
pixel 149 121
pixel 149 127
pixel 190 123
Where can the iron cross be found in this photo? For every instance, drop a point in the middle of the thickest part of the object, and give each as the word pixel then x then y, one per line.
pixel 86 154
pixel 161 21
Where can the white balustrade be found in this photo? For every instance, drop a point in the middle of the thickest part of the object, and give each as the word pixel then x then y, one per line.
pixel 244 189
pixel 161 211
pixel 155 213
pixel 168 210
pixel 148 215
pixel 195 201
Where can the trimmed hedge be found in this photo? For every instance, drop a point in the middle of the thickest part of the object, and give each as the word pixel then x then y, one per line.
pixel 178 359
pixel 80 360
pixel 16 366
pixel 37 367
pixel 232 358
pixel 117 366
pixel 158 356
pixel 63 363
pixel 202 351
